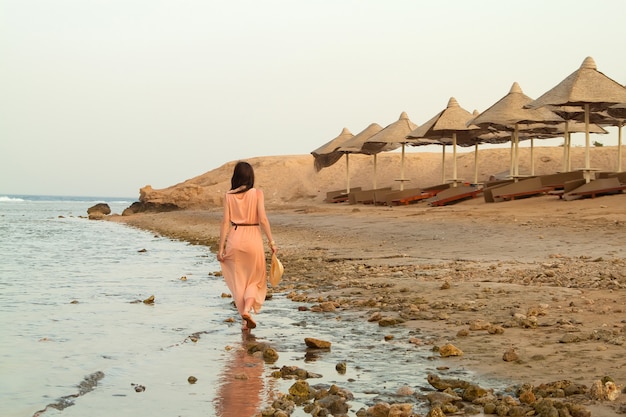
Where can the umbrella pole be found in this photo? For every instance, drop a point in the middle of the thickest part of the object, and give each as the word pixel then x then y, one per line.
pixel 516 151
pixel 476 163
pixel 374 171
pixel 402 170
pixel 454 177
pixel 443 164
pixel 532 156
pixel 347 174
pixel 619 146
pixel 512 147
pixel 565 136
pixel 587 144
pixel 569 151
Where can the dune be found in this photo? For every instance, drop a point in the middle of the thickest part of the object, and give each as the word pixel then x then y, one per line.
pixel 290 179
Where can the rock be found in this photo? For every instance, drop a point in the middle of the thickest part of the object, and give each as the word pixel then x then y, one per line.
pixel 341 368
pixel 293 372
pixel 479 325
pixel 149 207
pixel 510 355
pixel 380 409
pixel 443 384
pixel 300 390
pixel 138 388
pixel 435 412
pixel 317 343
pixel 270 355
pixel 389 321
pixel 335 404
pixel 401 410
pixel 527 397
pixel 495 329
pixel 604 390
pixel 149 300
pixel 375 317
pixel 98 211
pixel 473 392
pixel 440 398
pixel 192 379
pixel 405 390
pixel 449 350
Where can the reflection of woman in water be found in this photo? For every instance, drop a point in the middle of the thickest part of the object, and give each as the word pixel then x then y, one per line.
pixel 243 258
pixel 241 385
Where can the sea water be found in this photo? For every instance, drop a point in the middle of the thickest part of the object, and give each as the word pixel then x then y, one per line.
pixel 76 338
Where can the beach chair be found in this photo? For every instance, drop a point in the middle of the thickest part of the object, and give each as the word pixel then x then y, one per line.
pixel 621 176
pixel 490 186
pixel 557 181
pixel 521 189
pixel 338 196
pixel 404 197
pixel 364 196
pixel 454 195
pixel 567 187
pixel 602 186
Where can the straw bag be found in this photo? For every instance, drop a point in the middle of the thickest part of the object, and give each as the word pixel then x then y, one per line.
pixel 276 271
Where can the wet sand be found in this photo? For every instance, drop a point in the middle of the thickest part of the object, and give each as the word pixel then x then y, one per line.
pixel 539 277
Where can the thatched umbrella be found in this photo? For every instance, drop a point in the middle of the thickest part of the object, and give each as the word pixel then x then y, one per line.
pixel 355 145
pixel 393 134
pixel 326 155
pixel 509 114
pixel 585 88
pixel 448 124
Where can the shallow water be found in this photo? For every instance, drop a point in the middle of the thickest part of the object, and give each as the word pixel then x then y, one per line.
pixel 68 288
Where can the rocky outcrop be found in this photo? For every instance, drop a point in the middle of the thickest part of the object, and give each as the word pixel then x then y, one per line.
pixel 98 211
pixel 149 207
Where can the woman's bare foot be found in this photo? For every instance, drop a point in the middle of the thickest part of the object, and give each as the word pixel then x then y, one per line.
pixel 251 324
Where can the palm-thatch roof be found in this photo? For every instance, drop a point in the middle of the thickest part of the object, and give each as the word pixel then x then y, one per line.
pixel 326 155
pixel 586 85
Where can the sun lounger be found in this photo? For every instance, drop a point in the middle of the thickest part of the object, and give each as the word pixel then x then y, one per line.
pixel 338 196
pixel 621 176
pixel 525 188
pixel 436 188
pixel 404 197
pixel 558 180
pixel 596 188
pixel 490 186
pixel 454 195
pixel 364 196
pixel 567 187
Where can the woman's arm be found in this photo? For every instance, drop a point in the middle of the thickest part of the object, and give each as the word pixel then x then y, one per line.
pixel 224 228
pixel 264 222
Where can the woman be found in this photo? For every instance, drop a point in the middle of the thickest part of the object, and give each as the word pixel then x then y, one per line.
pixel 243 256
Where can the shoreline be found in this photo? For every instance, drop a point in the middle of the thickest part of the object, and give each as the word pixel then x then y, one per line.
pixel 537 277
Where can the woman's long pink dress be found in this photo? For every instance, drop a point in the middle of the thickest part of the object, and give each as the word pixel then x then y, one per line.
pixel 244 267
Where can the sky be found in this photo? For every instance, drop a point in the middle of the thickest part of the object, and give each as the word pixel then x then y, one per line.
pixel 103 97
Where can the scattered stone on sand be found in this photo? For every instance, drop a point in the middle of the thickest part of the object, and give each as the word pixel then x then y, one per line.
pixel 192 379
pixel 149 300
pixel 510 355
pixel 317 343
pixel 448 350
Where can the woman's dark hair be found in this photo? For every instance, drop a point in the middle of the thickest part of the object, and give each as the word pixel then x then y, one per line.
pixel 242 175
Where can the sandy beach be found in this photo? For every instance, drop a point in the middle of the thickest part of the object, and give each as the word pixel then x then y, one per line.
pixel 531 291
